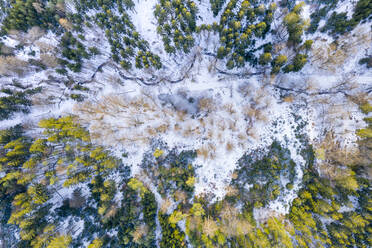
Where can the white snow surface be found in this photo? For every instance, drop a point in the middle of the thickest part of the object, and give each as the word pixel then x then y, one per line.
pixel 145 23
pixel 226 128
pixel 239 118
pixel 235 95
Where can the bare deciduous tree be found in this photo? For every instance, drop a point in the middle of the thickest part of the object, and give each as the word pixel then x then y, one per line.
pixel 139 232
pixel 49 60
pixel 12 66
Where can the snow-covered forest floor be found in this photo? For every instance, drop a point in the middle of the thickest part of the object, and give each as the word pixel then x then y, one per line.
pixel 194 103
pixel 220 115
